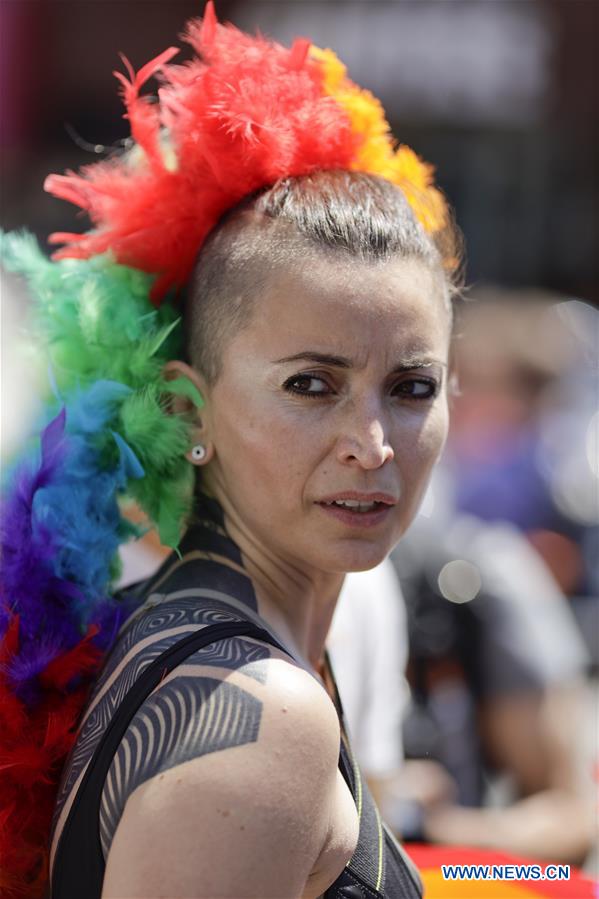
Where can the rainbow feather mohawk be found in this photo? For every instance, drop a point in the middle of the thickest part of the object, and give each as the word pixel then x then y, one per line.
pixel 241 114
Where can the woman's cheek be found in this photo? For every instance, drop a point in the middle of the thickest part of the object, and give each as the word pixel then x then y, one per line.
pixel 430 440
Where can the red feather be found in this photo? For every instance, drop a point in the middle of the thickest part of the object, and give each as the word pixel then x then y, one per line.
pixel 82 659
pixel 242 113
pixel 35 742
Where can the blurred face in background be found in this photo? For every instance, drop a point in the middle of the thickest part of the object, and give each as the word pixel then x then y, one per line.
pixel 509 353
pixel 519 424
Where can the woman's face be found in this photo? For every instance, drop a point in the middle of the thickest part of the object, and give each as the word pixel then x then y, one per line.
pixel 335 392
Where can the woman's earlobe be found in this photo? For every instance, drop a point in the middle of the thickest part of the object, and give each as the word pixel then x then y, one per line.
pixel 200 453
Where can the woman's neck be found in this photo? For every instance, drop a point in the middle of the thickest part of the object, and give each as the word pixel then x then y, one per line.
pixel 298 603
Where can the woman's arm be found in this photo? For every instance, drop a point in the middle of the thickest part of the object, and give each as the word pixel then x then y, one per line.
pixel 534 739
pixel 240 800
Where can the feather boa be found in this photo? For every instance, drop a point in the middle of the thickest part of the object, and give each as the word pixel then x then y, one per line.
pixel 60 531
pixel 108 437
pixel 95 322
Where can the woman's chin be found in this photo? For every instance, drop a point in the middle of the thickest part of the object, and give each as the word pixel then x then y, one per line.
pixel 355 558
pixel 365 565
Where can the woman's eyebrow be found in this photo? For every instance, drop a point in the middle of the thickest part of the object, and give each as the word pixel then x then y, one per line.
pixel 408 363
pixel 418 362
pixel 319 358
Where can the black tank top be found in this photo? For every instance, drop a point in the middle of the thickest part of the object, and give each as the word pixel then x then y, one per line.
pixel 378 869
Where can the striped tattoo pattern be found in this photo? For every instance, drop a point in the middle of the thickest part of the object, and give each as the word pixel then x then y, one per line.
pixel 187 718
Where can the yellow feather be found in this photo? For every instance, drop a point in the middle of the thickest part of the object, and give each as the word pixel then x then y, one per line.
pixel 376 152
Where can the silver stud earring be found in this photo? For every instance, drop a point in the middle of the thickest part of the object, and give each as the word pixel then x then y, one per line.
pixel 198 452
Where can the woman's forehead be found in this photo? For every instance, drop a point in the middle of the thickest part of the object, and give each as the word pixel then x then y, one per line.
pixel 332 303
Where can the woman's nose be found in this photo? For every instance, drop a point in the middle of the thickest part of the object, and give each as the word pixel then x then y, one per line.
pixel 364 443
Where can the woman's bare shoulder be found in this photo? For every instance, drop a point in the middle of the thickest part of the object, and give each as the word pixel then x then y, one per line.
pixel 237 747
pixel 153 629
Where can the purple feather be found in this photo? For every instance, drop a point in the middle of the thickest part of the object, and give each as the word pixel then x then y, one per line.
pixel 60 531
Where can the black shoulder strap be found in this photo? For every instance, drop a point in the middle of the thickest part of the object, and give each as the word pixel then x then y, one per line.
pixel 79 863
pixel 379 867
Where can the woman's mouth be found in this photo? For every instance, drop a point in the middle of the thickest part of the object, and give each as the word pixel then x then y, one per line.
pixel 357 513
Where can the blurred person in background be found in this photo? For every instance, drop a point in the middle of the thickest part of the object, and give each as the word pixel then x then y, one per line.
pixel 523 442
pixel 499 730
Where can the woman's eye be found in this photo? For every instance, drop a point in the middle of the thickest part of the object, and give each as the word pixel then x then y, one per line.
pixel 416 388
pixel 307 385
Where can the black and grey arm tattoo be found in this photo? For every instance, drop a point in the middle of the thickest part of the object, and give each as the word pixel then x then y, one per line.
pixel 185 613
pixel 186 718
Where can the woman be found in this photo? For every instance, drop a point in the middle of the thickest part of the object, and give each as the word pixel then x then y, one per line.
pixel 317 327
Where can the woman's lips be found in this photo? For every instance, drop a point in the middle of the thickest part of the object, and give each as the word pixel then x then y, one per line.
pixel 357 519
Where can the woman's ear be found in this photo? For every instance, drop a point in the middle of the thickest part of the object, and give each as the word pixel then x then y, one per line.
pixel 188 399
